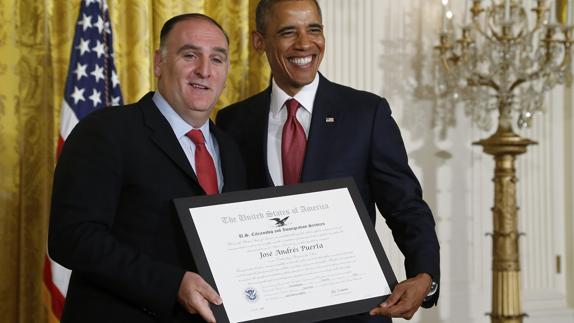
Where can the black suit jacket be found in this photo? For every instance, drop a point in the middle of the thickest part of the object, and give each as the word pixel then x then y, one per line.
pixel 113 221
pixel 363 142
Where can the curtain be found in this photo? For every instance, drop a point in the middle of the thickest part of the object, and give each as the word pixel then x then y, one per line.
pixel 35 40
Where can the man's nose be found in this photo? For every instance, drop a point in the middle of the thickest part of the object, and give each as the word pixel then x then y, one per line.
pixel 303 41
pixel 203 68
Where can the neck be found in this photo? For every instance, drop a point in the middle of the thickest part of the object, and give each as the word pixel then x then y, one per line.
pixel 290 90
pixel 195 119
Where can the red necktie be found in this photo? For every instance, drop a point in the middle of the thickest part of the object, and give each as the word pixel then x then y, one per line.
pixel 293 145
pixel 204 167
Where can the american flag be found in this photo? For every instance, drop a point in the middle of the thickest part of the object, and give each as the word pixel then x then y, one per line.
pixel 92 83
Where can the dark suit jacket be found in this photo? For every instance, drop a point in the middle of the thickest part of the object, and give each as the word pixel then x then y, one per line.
pixel 363 142
pixel 113 221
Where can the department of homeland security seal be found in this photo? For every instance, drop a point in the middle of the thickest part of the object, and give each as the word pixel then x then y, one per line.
pixel 250 294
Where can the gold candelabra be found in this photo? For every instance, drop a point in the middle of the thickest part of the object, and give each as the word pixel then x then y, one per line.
pixel 502 62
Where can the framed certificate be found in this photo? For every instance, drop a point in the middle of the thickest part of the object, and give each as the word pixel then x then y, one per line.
pixel 299 253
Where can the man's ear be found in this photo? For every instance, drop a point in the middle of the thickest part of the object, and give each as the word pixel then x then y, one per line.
pixel 157 60
pixel 258 41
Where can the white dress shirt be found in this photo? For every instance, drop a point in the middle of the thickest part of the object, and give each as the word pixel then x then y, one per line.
pixel 181 128
pixel 277 118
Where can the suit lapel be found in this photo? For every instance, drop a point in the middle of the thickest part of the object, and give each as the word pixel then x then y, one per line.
pixel 163 137
pixel 260 118
pixel 327 116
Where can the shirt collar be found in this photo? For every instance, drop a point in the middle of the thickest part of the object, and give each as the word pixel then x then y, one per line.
pixel 179 126
pixel 305 97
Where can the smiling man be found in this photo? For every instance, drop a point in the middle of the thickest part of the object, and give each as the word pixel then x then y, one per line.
pixel 113 221
pixel 306 128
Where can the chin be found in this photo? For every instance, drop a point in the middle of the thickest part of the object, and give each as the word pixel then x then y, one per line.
pixel 303 81
pixel 305 78
pixel 202 109
pixel 200 105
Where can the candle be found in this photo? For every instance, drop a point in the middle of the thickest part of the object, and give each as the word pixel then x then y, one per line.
pixel 569 12
pixel 444 19
pixel 465 20
pixel 552 18
pixel 506 10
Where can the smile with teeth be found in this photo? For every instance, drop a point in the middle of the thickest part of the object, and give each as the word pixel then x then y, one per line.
pixel 198 86
pixel 301 60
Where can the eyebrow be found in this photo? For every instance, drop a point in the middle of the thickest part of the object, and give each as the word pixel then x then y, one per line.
pixel 316 25
pixel 289 28
pixel 185 47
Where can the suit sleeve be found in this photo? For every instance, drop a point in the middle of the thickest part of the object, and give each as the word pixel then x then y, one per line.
pixel 398 196
pixel 87 188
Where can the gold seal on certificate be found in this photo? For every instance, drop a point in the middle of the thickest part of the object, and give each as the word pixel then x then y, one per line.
pixel 299 253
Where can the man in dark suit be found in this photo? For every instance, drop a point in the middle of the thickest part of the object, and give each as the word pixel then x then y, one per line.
pixel 113 221
pixel 306 128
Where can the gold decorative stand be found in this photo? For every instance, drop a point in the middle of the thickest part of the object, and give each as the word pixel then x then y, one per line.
pixel 505 145
pixel 503 62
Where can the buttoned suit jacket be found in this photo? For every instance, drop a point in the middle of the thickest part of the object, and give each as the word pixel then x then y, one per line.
pixel 352 134
pixel 113 221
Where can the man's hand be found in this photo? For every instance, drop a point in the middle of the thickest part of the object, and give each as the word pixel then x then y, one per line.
pixel 406 298
pixel 195 295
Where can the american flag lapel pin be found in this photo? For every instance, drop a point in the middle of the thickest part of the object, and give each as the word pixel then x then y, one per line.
pixel 329 120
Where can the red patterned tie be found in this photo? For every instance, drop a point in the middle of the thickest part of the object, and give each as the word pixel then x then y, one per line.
pixel 204 167
pixel 293 145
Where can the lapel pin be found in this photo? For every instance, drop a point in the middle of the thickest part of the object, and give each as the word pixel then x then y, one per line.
pixel 329 120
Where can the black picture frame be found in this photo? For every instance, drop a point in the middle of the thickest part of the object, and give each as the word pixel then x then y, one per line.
pixel 312 315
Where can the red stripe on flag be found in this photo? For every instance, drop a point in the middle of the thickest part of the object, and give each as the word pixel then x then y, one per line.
pixel 57 297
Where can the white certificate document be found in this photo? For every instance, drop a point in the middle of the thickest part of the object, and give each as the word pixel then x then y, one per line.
pixel 294 253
